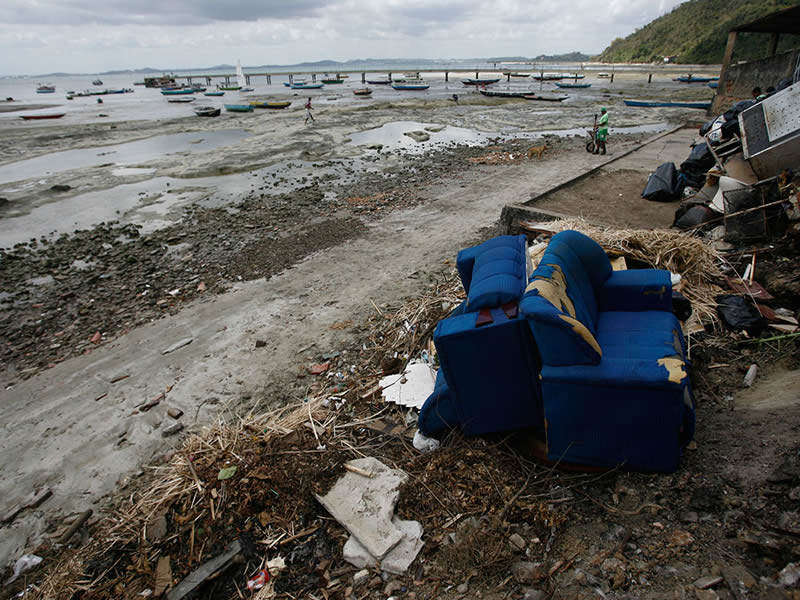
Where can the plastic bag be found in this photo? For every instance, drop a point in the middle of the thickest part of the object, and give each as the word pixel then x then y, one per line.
pixel 24 563
pixel 663 185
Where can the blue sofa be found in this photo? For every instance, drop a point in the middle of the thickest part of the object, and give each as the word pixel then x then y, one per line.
pixel 594 357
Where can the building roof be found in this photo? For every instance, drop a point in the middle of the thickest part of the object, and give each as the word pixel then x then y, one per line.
pixel 783 21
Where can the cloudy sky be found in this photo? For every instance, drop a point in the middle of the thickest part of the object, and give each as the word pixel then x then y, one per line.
pixel 43 36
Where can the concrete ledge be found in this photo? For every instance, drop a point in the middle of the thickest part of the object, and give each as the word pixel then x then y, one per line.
pixel 595 169
pixel 512 214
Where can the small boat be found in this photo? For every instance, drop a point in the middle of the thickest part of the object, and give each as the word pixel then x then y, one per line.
pixel 379 81
pixel 545 98
pixel 238 108
pixel 295 81
pixel 363 92
pixel 38 117
pixel 573 86
pixel 257 104
pixel 196 87
pixel 45 89
pixel 472 81
pixel 177 92
pixel 332 81
pixel 229 88
pixel 306 86
pixel 412 83
pixel 693 79
pixel 548 77
pixel 157 82
pixel 207 111
pixel 668 103
pixel 504 93
pixel 181 99
pixel 604 75
pixel 713 85
pixel 139 83
pixel 214 94
pixel 97 82
pixel 246 89
pixel 516 74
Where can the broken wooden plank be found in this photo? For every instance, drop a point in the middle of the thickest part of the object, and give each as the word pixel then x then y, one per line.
pixel 203 572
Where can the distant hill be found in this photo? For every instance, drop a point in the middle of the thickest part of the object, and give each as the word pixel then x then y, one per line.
pixel 696 32
pixel 569 57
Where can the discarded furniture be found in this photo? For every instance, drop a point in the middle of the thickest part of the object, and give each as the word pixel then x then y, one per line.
pixel 614 381
pixel 488 380
pixel 603 374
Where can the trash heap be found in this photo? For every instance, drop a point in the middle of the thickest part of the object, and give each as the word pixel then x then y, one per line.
pixel 739 185
pixel 330 497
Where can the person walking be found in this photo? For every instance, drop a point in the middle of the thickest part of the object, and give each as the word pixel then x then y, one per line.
pixel 308 112
pixel 602 133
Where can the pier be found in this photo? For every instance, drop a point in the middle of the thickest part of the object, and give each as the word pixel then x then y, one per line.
pixel 507 72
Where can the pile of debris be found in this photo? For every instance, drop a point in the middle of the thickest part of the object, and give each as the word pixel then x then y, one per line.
pixel 243 508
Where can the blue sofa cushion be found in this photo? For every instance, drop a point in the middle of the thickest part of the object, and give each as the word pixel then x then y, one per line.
pixel 636 289
pixel 495 272
pixel 646 334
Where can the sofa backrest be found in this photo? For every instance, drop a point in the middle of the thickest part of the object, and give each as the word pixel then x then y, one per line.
pixel 560 301
pixel 495 272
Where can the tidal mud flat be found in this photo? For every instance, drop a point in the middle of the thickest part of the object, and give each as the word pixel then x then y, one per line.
pixel 278 237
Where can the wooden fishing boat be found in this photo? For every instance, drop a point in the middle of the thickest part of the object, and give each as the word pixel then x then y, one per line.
pixel 38 117
pixel 207 111
pixel 363 92
pixel 504 93
pixel 410 83
pixel 667 103
pixel 379 81
pixel 45 89
pixel 181 99
pixel 545 98
pixel 306 86
pixel 472 81
pixel 238 108
pixel 259 104
pixel 573 86
pixel 332 81
pixel 229 88
pixel 548 77
pixel 220 93
pixel 713 85
pixel 177 92
pixel 604 75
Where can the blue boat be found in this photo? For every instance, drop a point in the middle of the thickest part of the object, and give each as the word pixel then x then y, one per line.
pixel 214 94
pixel 573 86
pixel 306 86
pixel 668 104
pixel 693 79
pixel 410 86
pixel 238 108
pixel 177 92
pixel 713 85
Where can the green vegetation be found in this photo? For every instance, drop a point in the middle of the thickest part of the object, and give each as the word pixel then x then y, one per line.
pixel 696 33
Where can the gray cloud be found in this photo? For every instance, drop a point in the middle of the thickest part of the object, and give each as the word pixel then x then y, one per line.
pixel 153 12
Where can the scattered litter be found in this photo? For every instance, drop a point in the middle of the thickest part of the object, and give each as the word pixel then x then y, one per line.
pixel 175 413
pixel 178 345
pixel 226 473
pixel 750 376
pixel 257 582
pixel 319 369
pixel 24 563
pixel 424 443
pixel 163 576
pixel 203 572
pixel 411 387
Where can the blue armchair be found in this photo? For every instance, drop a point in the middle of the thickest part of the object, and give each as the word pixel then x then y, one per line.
pixel 614 383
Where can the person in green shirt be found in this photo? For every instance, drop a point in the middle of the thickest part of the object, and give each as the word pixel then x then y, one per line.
pixel 602 132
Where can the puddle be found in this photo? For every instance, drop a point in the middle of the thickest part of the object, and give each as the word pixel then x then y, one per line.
pixel 392 136
pixel 129 152
pixel 125 171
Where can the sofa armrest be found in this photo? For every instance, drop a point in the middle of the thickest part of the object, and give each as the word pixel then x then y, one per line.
pixel 662 373
pixel 636 290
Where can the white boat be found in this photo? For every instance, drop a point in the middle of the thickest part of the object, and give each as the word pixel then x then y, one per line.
pixel 240 78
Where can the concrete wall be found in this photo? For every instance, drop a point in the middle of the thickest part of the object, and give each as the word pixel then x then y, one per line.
pixel 739 80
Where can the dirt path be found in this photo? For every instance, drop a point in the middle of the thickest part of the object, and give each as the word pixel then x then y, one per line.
pixel 64 433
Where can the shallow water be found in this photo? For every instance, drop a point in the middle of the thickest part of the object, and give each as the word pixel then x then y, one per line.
pixel 129 152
